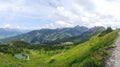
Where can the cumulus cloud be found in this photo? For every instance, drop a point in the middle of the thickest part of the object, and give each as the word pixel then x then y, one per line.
pixel 10 26
pixel 25 8
pixel 63 13
pixel 7 26
pixel 58 24
pixel 89 13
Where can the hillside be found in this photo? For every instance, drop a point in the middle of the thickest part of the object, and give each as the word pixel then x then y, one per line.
pixel 6 32
pixel 80 38
pixel 50 35
pixel 87 54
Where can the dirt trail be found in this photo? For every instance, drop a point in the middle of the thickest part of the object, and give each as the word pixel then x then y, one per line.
pixel 114 60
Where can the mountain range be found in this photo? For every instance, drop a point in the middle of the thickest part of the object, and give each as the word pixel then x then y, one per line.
pixel 51 36
pixel 86 35
pixel 67 52
pixel 7 32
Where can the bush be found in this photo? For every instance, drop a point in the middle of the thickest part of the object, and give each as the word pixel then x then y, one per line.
pixel 52 60
pixel 108 30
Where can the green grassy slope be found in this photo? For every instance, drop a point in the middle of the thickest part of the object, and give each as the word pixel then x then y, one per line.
pixel 88 54
pixel 77 55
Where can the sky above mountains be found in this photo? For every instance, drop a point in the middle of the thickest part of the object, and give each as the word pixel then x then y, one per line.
pixel 37 14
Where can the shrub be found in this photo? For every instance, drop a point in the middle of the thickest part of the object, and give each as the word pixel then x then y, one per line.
pixel 52 60
pixel 108 30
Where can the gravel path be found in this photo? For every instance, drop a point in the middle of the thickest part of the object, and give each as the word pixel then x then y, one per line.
pixel 114 60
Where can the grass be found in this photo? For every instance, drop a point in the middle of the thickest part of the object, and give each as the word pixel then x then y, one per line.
pixel 82 51
pixel 88 54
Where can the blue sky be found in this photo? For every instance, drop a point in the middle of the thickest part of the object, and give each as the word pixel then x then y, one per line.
pixel 37 14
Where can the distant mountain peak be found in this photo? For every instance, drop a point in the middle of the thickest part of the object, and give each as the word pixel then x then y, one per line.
pixel 80 27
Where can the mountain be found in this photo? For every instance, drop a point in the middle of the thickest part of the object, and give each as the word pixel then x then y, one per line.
pixel 7 32
pixel 80 38
pixel 92 53
pixel 44 35
pixel 48 35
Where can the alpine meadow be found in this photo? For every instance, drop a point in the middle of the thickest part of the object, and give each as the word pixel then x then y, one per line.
pixel 59 33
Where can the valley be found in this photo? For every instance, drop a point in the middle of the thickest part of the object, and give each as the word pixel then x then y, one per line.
pixel 89 52
pixel 59 33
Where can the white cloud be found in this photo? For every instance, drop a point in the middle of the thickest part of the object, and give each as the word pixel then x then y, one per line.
pixel 64 13
pixel 25 8
pixel 88 13
pixel 21 27
pixel 18 27
pixel 58 24
pixel 85 19
pixel 108 7
pixel 7 26
pixel 11 26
